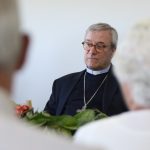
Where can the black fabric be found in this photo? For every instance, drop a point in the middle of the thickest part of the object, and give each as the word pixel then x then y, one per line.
pixel 92 83
pixel 76 99
pixel 67 94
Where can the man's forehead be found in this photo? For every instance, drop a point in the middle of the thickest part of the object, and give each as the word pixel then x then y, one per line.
pixel 98 36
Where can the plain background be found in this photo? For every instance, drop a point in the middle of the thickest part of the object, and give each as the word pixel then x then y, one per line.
pixel 57 28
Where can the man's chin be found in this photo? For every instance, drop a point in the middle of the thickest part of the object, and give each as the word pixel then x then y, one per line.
pixel 93 67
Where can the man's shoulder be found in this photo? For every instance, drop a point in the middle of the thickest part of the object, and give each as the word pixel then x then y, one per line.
pixel 71 76
pixel 112 77
pixel 96 128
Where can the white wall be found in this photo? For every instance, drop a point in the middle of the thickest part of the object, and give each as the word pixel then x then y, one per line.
pixel 56 28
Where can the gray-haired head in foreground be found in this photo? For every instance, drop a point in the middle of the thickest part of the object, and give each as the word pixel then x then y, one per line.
pixel 103 27
pixel 9 34
pixel 133 62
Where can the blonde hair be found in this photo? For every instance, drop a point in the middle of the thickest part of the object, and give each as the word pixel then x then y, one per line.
pixel 132 62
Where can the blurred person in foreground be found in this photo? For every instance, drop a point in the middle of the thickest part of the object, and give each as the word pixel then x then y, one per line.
pixel 95 87
pixel 130 130
pixel 15 134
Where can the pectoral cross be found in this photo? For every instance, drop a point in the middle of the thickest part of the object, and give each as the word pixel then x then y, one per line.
pixel 82 109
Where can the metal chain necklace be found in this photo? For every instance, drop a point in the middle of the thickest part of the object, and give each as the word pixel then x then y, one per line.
pixel 86 103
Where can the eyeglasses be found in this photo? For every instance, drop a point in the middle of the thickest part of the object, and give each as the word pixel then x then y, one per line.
pixel 98 46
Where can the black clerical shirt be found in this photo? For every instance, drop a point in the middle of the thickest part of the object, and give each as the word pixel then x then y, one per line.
pixel 76 99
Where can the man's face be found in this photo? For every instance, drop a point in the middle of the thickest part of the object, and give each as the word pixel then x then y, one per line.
pixel 98 59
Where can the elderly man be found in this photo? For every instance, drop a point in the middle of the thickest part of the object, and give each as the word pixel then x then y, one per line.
pixel 95 87
pixel 130 130
pixel 14 134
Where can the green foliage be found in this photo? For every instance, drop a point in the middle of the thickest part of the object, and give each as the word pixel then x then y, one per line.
pixel 64 124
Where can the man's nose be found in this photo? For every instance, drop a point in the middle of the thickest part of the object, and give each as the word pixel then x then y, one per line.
pixel 93 49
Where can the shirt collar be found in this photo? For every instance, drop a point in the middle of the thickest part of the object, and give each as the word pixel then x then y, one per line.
pixel 97 72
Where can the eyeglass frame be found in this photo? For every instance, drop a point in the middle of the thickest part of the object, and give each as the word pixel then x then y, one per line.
pixel 102 47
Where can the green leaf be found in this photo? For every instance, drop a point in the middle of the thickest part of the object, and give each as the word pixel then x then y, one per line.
pixel 85 116
pixel 63 124
pixel 64 121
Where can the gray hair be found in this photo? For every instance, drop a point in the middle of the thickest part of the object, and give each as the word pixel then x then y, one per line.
pixel 133 62
pixel 9 34
pixel 103 27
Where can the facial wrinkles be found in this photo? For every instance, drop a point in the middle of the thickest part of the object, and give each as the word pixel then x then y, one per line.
pixel 98 36
pixel 93 58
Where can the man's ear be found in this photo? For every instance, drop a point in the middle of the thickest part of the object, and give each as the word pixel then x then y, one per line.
pixel 113 52
pixel 23 51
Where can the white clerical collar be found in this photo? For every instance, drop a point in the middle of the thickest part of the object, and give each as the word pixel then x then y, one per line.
pixel 97 72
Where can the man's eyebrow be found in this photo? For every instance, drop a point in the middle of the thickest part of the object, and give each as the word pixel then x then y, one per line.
pixel 100 43
pixel 96 42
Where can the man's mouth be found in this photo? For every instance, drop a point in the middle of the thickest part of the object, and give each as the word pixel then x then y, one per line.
pixel 92 58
